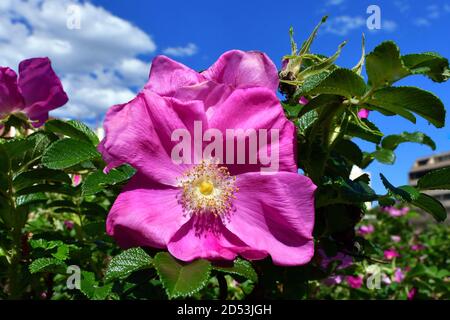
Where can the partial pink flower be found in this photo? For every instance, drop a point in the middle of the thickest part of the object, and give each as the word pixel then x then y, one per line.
pixel 412 293
pixel 333 280
pixel 354 282
pixel 76 180
pixel 417 247
pixel 398 275
pixel 391 254
pixel 395 212
pixel 344 260
pixel 303 101
pixel 363 113
pixel 69 224
pixel 385 279
pixel 207 210
pixel 366 229
pixel 395 238
pixel 35 92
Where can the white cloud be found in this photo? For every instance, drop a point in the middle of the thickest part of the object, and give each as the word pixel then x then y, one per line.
pixel 334 2
pixel 97 63
pixel 432 12
pixel 402 5
pixel 189 50
pixel 388 25
pixel 421 22
pixel 342 25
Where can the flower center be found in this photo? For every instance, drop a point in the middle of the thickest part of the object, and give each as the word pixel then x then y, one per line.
pixel 207 188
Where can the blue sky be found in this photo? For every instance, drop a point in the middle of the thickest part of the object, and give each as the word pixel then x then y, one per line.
pixel 121 37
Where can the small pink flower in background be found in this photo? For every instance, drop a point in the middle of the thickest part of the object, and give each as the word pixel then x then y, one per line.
pixel 412 293
pixel 385 279
pixel 333 280
pixel 35 92
pixel 68 224
pixel 367 229
pixel 396 238
pixel 354 282
pixel 363 113
pixel 345 260
pixel 391 254
pixel 206 210
pixel 394 212
pixel 417 247
pixel 76 180
pixel 398 275
pixel 303 100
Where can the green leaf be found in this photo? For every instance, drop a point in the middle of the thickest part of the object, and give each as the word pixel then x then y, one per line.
pixel 96 181
pixel 181 278
pixel 404 193
pixel 51 265
pixel 365 130
pixel 391 142
pixel 435 180
pixel 28 178
pixel 350 151
pixel 72 129
pixel 91 288
pixel 30 199
pixel 305 121
pixel 127 262
pixel 239 267
pixel 50 188
pixel 344 191
pixel 342 82
pixel 5 164
pixel 430 64
pixel 384 65
pixel 432 206
pixel 384 156
pixel 291 110
pixel 320 101
pixel 401 100
pixel 68 152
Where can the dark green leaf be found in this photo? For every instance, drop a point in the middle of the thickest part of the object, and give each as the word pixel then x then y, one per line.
pixel 435 180
pixel 50 188
pixel 430 64
pixel 350 151
pixel 96 181
pixel 68 152
pixel 384 65
pixel 239 267
pixel 72 129
pixel 91 288
pixel 342 82
pixel 399 193
pixel 28 178
pixel 47 265
pixel 432 206
pixel 401 100
pixel 127 262
pixel 391 142
pixel 181 278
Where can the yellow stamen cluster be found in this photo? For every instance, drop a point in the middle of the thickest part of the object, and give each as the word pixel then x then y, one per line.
pixel 207 188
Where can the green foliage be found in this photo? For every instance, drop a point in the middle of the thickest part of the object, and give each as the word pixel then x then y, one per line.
pixel 127 262
pixel 68 152
pixel 181 279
